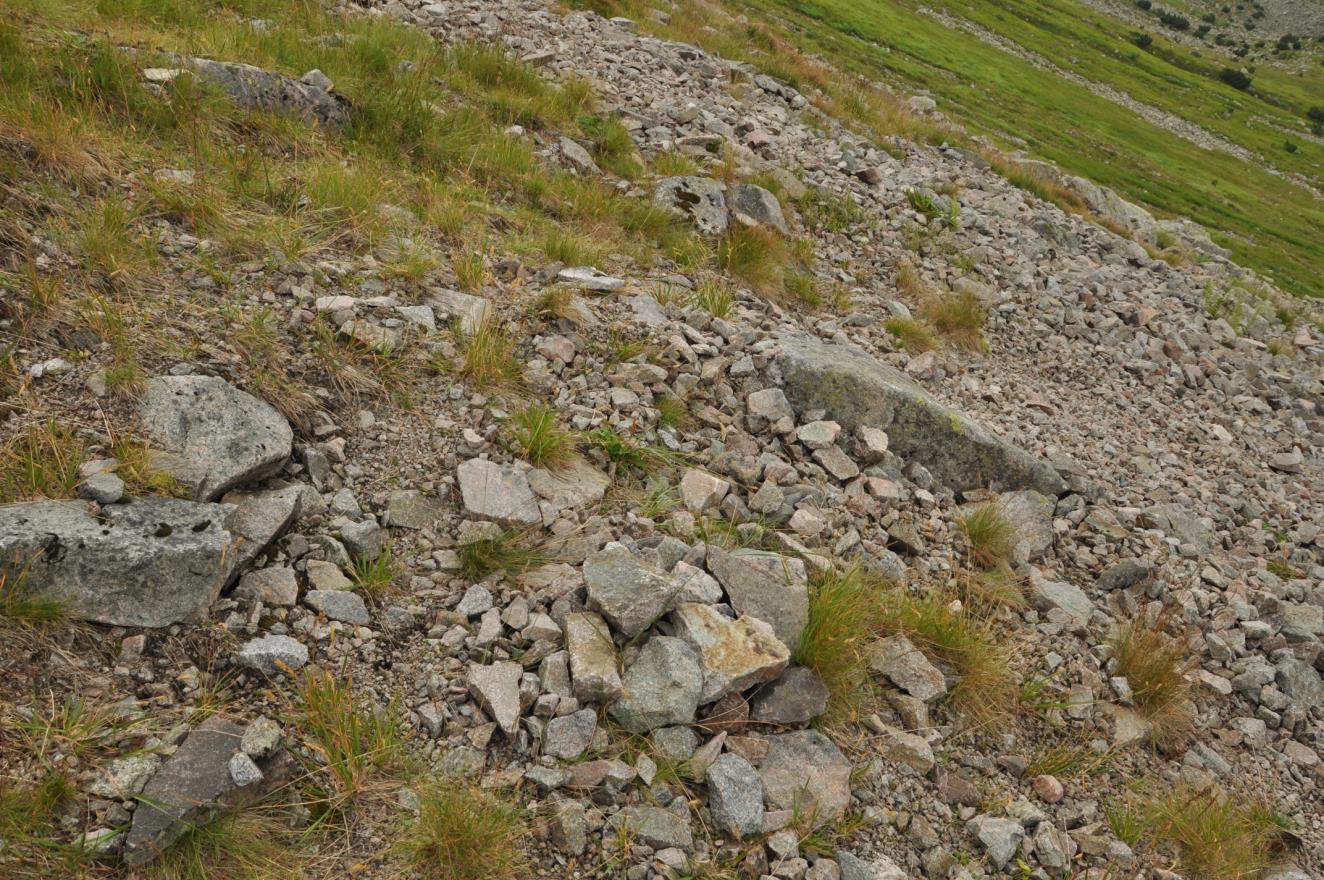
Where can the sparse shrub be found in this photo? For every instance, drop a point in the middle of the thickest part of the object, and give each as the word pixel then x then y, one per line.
pixel 958 318
pixel 991 535
pixel 1175 20
pixel 1143 40
pixel 912 335
pixel 465 833
pixel 41 461
pixel 540 438
pixel 1217 836
pixel 1238 79
pixel 1155 666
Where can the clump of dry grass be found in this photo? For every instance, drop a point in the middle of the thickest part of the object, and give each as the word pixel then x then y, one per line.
pixel 41 461
pixel 846 615
pixel 255 843
pixel 958 318
pixel 991 534
pixel 513 551
pixel 487 357
pixel 540 438
pixel 1216 836
pixel 756 256
pixel 1155 666
pixel 356 745
pixel 465 834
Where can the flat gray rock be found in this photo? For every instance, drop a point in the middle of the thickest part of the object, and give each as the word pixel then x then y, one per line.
pixel 652 826
pixel 735 795
pixel 570 735
pixel 907 668
pixel 256 89
pixel 1000 837
pixel 273 654
pixel 192 787
pixel 275 586
pixel 212 436
pixel 804 771
pixel 878 868
pixel 758 205
pixel 152 562
pixel 575 484
pixel 411 509
pixel 497 492
pixel 592 658
pixel 661 688
pixel 341 605
pixel 1070 599
pixel 797 697
pixel 260 518
pixel 766 586
pixel 626 590
pixel 855 390
pixel 698 198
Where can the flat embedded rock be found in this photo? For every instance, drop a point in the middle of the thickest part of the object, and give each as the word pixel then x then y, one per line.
pixel 260 518
pixel 497 689
pixel 341 605
pixel 766 586
pixel 497 492
pixel 573 485
pixel 212 436
pixel 908 668
pixel 592 658
pixel 797 697
pixel 734 654
pixel 804 771
pixel 152 562
pixel 274 654
pixel 652 826
pixel 626 590
pixel 855 390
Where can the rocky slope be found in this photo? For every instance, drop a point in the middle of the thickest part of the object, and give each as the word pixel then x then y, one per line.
pixel 1150 430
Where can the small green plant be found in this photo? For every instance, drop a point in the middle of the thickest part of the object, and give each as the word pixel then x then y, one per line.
pixel 1155 664
pixel 991 534
pixel 356 745
pixel 470 269
pixel 513 551
pixel 911 335
pixel 374 576
pixel 713 297
pixel 625 453
pixel 465 834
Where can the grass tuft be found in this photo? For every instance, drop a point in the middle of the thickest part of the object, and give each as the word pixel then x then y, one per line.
pixel 251 845
pixel 514 551
pixel 991 535
pixel 465 834
pixel 959 319
pixel 487 357
pixel 539 437
pixel 375 576
pixel 357 745
pixel 755 256
pixel 19 606
pixel 913 336
pixel 846 615
pixel 41 462
pixel 1155 666
pixel 714 298
pixel 626 453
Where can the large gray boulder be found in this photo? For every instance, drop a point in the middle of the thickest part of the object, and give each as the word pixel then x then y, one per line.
pixel 153 562
pixel 698 198
pixel 857 391
pixel 212 436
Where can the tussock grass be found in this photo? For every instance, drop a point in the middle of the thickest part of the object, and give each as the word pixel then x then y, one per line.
pixel 846 615
pixel 958 318
pixel 1068 761
pixel 465 834
pixel 991 534
pixel 487 357
pixel 713 297
pixel 674 164
pixel 353 369
pixel 755 256
pixel 513 551
pixel 540 438
pixel 136 470
pixel 1155 665
pixel 672 412
pixel 470 268
pixel 909 282
pixel 256 844
pixel 357 746
pixel 552 303
pixel 913 336
pixel 993 589
pixel 29 822
pixel 1216 836
pixel 989 688
pixel 41 461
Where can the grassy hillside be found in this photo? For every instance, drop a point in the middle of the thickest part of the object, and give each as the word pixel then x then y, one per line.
pixel 1262 210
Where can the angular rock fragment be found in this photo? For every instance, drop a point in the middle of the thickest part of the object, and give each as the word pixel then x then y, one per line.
pixel 497 492
pixel 698 198
pixel 627 591
pixel 496 688
pixel 797 697
pixel 908 668
pixel 661 688
pixel 803 771
pixel 767 586
pixel 735 795
pixel 734 654
pixel 592 658
pixel 212 436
